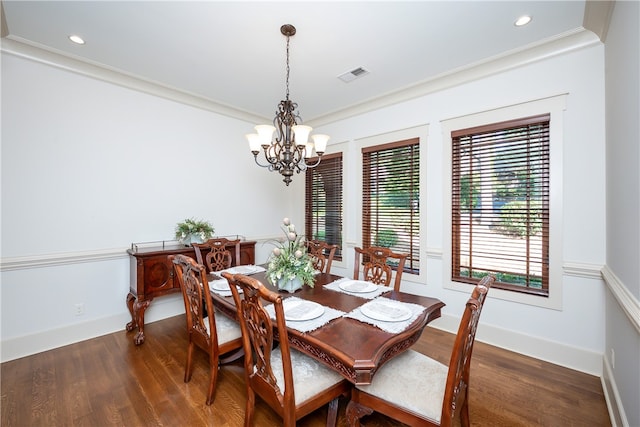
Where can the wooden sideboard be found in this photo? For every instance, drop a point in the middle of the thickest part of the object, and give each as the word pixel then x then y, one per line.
pixel 151 275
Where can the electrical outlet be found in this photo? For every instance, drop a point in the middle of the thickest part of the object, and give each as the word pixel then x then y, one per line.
pixel 79 309
pixel 613 359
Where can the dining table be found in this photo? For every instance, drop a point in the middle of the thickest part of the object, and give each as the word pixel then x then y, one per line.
pixel 353 327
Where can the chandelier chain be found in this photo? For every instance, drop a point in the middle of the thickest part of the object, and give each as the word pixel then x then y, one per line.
pixel 287 93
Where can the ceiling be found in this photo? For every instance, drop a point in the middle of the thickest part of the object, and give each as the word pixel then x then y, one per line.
pixel 233 54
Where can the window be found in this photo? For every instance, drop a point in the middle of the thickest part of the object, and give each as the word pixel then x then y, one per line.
pixel 323 201
pixel 500 204
pixel 390 199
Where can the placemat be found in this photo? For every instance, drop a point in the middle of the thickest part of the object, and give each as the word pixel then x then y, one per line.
pixel 392 327
pixel 335 286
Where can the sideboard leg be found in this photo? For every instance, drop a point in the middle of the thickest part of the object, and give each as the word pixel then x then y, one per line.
pixel 130 301
pixel 139 309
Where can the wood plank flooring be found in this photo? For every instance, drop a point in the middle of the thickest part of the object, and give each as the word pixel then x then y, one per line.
pixel 108 381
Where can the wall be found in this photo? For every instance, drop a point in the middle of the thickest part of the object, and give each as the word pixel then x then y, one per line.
pixel 572 336
pixel 88 167
pixel 622 355
pixel 112 165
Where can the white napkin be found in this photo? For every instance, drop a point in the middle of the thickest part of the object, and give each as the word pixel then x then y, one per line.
pixel 335 286
pixel 392 307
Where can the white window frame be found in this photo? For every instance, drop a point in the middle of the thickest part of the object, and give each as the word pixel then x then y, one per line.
pixel 554 106
pixel 421 132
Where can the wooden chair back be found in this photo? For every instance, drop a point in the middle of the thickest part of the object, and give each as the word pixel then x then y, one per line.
pixel 375 267
pixel 201 329
pixel 219 257
pixel 389 398
pixel 258 340
pixel 321 254
pixel 456 389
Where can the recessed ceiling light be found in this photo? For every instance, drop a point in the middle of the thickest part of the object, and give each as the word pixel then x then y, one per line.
pixel 76 39
pixel 523 20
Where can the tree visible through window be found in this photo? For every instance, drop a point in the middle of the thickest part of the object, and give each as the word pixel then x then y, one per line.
pixel 390 199
pixel 323 202
pixel 500 204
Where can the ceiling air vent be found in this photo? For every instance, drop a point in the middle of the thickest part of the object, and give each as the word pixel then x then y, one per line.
pixel 350 76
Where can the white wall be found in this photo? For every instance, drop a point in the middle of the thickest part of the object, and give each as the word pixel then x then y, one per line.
pixel 89 167
pixel 574 335
pixel 622 350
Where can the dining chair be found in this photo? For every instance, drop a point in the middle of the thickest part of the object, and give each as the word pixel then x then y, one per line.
pixel 375 265
pixel 290 382
pixel 321 254
pixel 217 335
pixel 219 257
pixel 419 391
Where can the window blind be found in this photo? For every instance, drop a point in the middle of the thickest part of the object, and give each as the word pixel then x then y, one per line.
pixel 500 204
pixel 323 201
pixel 390 199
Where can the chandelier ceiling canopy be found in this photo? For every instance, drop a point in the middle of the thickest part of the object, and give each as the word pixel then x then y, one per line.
pixel 285 145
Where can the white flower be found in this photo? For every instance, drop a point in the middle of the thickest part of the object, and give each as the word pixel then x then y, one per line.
pixel 286 221
pixel 298 254
pixel 276 251
pixel 292 236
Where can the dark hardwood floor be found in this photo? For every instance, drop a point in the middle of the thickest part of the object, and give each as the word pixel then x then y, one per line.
pixel 109 381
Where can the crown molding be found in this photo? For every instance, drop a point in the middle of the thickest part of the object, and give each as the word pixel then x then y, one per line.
pixel 562 44
pixel 23 49
pixel 597 16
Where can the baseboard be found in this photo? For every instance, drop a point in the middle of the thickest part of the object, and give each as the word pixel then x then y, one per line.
pixel 553 352
pixel 27 345
pixel 611 396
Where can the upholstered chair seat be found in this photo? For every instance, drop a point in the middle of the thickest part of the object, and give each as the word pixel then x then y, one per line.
pixel 412 381
pixel 227 329
pixel 309 376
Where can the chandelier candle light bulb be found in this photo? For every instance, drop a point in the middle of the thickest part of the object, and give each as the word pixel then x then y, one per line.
pixel 289 149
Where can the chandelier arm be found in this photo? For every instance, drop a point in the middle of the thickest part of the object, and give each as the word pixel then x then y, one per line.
pixel 255 158
pixel 309 166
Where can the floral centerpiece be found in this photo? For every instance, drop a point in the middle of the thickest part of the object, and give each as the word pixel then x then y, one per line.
pixel 290 266
pixel 193 231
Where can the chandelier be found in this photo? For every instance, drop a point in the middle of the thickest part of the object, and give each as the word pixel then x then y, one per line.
pixel 287 150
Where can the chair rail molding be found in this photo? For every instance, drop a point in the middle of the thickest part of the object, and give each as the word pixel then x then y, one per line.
pixel 65 258
pixel 587 271
pixel 630 305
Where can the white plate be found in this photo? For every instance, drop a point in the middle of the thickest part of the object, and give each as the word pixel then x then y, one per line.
pixel 357 286
pixel 221 285
pixel 301 310
pixel 243 269
pixel 386 312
